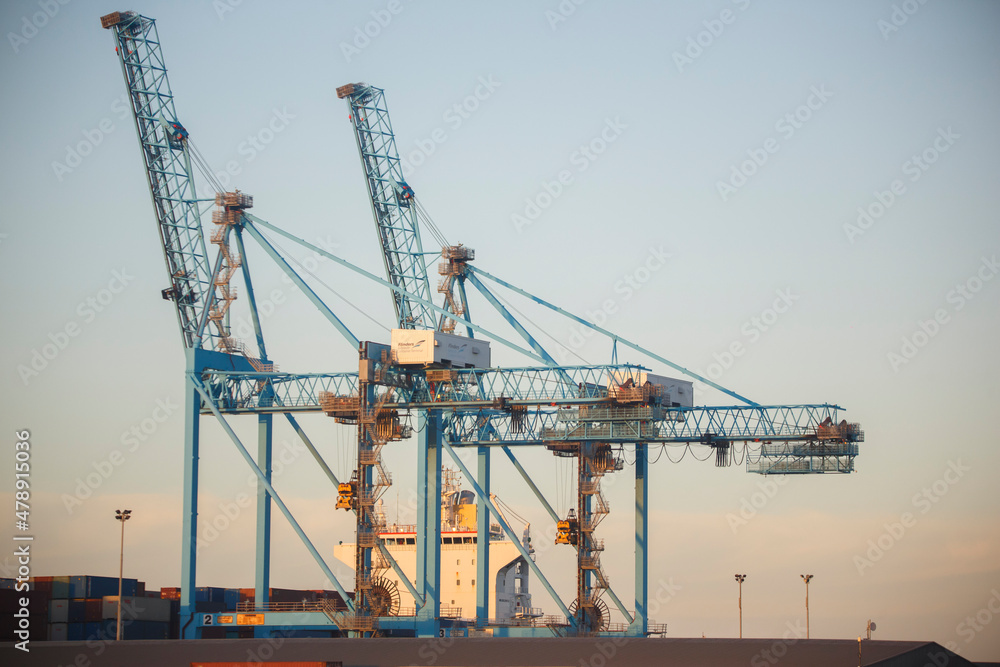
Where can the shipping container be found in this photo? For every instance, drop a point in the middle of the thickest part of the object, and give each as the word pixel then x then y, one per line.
pixel 77 611
pixel 42 585
pixel 426 347
pixel 75 632
pixel 87 586
pixel 170 593
pixel 59 611
pixel 232 598
pixel 209 594
pixel 92 630
pixel 153 629
pixel 95 609
pixel 38 602
pixel 10 600
pixel 58 632
pixel 60 587
pixel 137 609
pixel 37 628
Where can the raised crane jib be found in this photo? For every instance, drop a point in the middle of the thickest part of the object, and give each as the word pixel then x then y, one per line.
pixel 392 204
pixel 165 156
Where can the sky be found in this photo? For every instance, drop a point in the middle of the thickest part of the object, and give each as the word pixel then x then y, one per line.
pixel 796 199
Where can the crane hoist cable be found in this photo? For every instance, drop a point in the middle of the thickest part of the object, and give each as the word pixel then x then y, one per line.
pixel 428 221
pixel 319 280
pixel 532 323
pixel 202 165
pixel 504 506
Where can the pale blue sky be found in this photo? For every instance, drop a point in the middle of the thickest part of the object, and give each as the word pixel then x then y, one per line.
pixel 654 188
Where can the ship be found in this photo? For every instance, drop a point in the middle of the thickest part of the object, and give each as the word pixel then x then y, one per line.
pixel 509 595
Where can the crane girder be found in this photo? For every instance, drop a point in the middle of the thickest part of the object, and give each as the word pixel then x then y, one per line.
pixel 392 202
pixel 163 141
pixel 534 406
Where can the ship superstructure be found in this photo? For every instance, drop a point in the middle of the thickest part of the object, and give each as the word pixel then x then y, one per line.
pixel 509 595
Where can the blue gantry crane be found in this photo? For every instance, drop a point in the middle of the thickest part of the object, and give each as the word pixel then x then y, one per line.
pixel 590 413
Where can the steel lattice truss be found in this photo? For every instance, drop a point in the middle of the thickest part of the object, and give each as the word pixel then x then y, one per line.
pixel 168 169
pixel 392 206
pixel 569 409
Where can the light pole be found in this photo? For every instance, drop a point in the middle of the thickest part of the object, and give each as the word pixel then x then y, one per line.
pixel 806 578
pixel 123 516
pixel 739 579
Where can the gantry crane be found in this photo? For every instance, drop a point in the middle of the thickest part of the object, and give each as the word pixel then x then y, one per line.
pixel 586 412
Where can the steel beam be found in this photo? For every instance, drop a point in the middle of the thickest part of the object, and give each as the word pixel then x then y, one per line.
pixel 483 497
pixel 614 336
pixel 483 539
pixel 189 517
pixel 270 490
pixel 429 520
pixel 251 297
pixel 262 573
pixel 371 276
pixel 301 284
pixel 512 321
pixel 640 624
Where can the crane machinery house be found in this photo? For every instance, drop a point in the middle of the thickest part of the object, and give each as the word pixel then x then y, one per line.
pixel 426 347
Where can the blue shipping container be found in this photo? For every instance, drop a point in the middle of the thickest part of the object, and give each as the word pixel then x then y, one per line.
pixel 92 630
pixel 77 611
pixel 75 632
pixel 209 594
pixel 60 587
pixel 86 586
pixel 232 598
